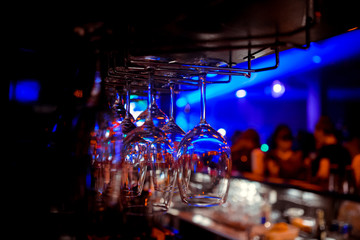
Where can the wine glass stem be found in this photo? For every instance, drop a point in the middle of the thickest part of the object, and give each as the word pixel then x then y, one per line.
pixel 172 95
pixel 127 98
pixel 150 98
pixel 202 79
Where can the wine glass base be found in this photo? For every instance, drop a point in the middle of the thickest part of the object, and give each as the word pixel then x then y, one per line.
pixel 203 201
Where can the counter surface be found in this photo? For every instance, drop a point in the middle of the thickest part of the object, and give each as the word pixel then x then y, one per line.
pixel 246 199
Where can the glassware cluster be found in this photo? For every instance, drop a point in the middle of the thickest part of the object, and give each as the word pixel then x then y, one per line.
pixel 139 164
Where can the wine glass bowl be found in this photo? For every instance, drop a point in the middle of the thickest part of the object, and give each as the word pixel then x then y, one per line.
pixel 163 174
pixel 174 133
pixel 135 152
pixel 133 167
pixel 204 167
pixel 149 171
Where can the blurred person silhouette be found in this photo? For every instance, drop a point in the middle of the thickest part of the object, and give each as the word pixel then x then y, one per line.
pixel 305 142
pixel 352 144
pixel 332 158
pixel 355 164
pixel 282 160
pixel 235 137
pixel 246 153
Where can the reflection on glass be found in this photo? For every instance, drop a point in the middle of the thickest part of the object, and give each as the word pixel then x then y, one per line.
pixel 171 129
pixel 148 168
pixel 159 118
pixel 105 145
pixel 128 123
pixel 204 163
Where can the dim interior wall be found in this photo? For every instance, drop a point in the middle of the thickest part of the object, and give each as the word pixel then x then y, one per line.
pixel 264 114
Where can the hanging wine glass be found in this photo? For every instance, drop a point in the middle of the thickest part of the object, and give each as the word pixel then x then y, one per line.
pixel 105 151
pixel 128 123
pixel 159 118
pixel 204 160
pixel 148 167
pixel 120 122
pixel 171 129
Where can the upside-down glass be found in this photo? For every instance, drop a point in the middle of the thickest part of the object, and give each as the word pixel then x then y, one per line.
pixel 171 129
pixel 159 118
pixel 105 142
pixel 204 162
pixel 148 168
pixel 128 123
pixel 123 123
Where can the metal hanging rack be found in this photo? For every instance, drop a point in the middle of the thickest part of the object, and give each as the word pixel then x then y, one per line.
pixel 182 66
pixel 181 72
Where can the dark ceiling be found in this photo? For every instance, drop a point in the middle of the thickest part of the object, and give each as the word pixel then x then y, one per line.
pixel 63 41
pixel 178 26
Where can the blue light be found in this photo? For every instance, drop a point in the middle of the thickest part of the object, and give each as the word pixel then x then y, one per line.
pixel 181 121
pixel 88 179
pixel 316 59
pixel 54 128
pixel 97 77
pixel 241 93
pixel 181 102
pixel 140 105
pixel 211 75
pixel 292 61
pixel 277 89
pixel 25 91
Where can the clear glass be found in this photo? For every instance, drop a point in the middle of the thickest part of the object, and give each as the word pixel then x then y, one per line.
pixel 171 129
pixel 159 118
pixel 128 123
pixel 204 160
pixel 148 168
pixel 118 107
pixel 105 145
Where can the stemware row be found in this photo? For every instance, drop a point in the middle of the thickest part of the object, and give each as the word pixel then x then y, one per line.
pixel 158 158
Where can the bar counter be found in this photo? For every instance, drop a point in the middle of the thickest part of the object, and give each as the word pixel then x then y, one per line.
pixel 251 196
